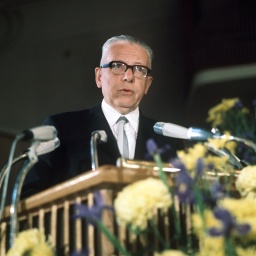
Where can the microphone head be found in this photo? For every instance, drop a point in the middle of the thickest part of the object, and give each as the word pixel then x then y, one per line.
pixel 177 131
pixel 42 133
pixel 171 130
pixel 101 135
pixel 47 146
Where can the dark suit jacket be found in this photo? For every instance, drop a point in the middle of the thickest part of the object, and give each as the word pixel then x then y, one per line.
pixel 73 157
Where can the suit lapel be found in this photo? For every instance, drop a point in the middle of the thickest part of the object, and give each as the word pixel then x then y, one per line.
pixel 99 122
pixel 141 142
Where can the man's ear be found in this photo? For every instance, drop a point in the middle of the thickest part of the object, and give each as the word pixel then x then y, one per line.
pixel 98 77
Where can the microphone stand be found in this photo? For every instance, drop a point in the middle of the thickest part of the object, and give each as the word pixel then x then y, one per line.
pixel 232 159
pixel 97 136
pixel 5 169
pixel 248 143
pixel 32 159
pixel 5 172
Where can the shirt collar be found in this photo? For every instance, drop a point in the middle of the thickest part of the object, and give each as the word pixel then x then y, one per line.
pixel 112 115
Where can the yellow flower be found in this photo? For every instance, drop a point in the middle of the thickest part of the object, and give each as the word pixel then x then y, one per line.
pixel 246 182
pixel 136 203
pixel 223 142
pixel 170 253
pixel 208 221
pixel 244 212
pixel 251 251
pixel 215 114
pixel 189 158
pixel 219 163
pixel 31 241
pixel 218 143
pixel 212 246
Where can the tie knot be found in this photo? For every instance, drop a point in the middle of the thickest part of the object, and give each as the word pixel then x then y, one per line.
pixel 122 119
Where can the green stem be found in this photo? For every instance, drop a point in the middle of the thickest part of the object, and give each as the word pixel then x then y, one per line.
pixel 163 177
pixel 112 238
pixel 158 235
pixel 229 247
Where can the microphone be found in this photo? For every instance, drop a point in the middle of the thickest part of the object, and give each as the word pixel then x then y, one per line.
pixel 47 146
pixel 37 134
pixel 99 136
pixel 42 133
pixel 36 149
pixel 180 132
pixel 232 159
pixel 43 148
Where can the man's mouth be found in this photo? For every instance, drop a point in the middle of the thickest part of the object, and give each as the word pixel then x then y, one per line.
pixel 126 91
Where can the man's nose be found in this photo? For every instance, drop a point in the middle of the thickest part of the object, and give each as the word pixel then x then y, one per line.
pixel 128 75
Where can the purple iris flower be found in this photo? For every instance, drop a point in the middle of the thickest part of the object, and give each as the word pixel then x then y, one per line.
pixel 217 190
pixel 152 149
pixel 228 224
pixel 93 213
pixel 185 183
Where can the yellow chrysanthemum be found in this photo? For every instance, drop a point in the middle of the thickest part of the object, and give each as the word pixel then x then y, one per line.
pixel 246 182
pixel 244 211
pixel 251 251
pixel 212 246
pixel 170 253
pixel 136 203
pixel 42 249
pixel 32 241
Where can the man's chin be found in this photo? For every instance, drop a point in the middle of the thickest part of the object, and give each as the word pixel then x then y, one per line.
pixel 125 108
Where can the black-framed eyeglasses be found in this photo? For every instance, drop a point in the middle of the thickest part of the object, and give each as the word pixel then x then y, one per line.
pixel 119 68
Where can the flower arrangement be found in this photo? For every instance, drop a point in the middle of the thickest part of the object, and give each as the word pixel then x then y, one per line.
pixel 31 242
pixel 233 117
pixel 221 199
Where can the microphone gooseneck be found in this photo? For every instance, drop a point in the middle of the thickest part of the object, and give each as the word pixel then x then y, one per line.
pixel 199 134
pixel 99 136
pixel 43 148
pixel 41 133
pixel 37 148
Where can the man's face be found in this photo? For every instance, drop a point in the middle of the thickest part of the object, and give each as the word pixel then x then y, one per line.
pixel 123 92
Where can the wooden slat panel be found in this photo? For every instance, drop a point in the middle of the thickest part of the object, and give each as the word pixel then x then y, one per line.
pixel 66 220
pixel 78 230
pixel 60 199
pixel 53 224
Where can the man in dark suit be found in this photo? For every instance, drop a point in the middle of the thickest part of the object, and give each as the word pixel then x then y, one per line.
pixel 124 76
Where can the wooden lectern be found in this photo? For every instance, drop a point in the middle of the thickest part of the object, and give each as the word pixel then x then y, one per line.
pixel 52 209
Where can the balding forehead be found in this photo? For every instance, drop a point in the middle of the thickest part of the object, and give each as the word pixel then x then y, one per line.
pixel 110 50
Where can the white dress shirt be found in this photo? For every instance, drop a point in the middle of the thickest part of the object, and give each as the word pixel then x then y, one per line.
pixel 131 128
